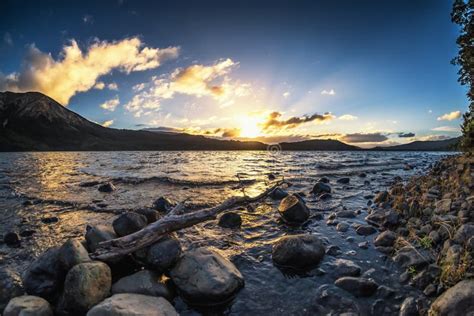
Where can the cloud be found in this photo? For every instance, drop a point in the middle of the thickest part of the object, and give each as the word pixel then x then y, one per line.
pixel 406 135
pixel 88 19
pixel 364 138
pixel 78 71
pixel 348 117
pixel 107 123
pixel 328 92
pixel 286 94
pixel 434 137
pixel 111 104
pixel 196 80
pixel 446 129
pixel 112 86
pixel 7 38
pixel 99 85
pixel 274 120
pixel 450 116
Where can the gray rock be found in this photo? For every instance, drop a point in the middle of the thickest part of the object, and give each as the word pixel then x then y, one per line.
pixel 343 180
pixel 345 214
pixel 320 188
pixel 278 194
pixel 363 245
pixel 323 180
pixel 72 252
pixel 331 300
pixel 359 287
pixel 97 234
pixel 151 215
pixel 365 230
pixel 325 196
pixel 443 206
pixel 162 255
pixel 230 220
pixel 144 282
pixel 106 187
pixel 133 305
pixel 381 197
pixel 343 267
pixel 410 257
pixel 86 285
pixel 298 251
pixel 10 285
pixel 28 306
pixel 409 307
pixel 385 239
pixel 129 223
pixel 342 227
pixel 463 233
pixel 293 210
pixel 458 300
pixel 12 239
pixel 202 276
pixel 385 291
pixel 333 251
pixel 163 205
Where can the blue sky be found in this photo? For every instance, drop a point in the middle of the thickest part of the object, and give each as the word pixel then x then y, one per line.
pixel 370 69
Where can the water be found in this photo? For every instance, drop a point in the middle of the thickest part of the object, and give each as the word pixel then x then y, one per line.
pixel 56 183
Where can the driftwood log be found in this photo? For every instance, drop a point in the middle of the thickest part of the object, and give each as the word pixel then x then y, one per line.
pixel 176 219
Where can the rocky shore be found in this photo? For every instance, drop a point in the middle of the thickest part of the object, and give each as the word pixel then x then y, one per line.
pixel 426 226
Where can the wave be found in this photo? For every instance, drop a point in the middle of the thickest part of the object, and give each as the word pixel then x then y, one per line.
pixel 174 181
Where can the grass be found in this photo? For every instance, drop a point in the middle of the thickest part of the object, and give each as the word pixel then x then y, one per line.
pixel 452 272
pixel 412 271
pixel 426 242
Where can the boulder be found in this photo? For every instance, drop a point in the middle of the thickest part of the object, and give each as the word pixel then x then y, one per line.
pixel 97 234
pixel 321 187
pixel 28 305
pixel 144 282
pixel 458 300
pixel 278 194
pixel 343 180
pixel 230 220
pixel 133 305
pixel 86 285
pixel 106 187
pixel 293 210
pixel 365 230
pixel 331 300
pixel 385 239
pixel 203 276
pixel 359 287
pixel 129 223
pixel 298 251
pixel 410 257
pixel 162 255
pixel 10 285
pixel 72 252
pixel 163 205
pixel 12 239
pixel 343 267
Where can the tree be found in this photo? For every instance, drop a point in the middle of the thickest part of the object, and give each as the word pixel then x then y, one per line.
pixel 463 15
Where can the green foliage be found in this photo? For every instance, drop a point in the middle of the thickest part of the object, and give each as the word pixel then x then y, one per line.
pixel 411 270
pixel 426 242
pixel 463 15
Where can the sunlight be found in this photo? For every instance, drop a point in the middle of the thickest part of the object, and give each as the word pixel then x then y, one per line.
pixel 249 127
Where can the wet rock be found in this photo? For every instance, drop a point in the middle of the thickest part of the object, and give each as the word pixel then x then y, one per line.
pixel 333 250
pixel 458 300
pixel 381 197
pixel 162 255
pixel 278 194
pixel 343 180
pixel 383 218
pixel 230 220
pixel 359 287
pixel 342 227
pixel 203 276
pixel 106 187
pixel 144 282
pixel 385 239
pixel 163 205
pixel 430 290
pixel 133 305
pixel 293 210
pixel 343 267
pixel 86 285
pixel 151 215
pixel 129 223
pixel 12 239
pixel 345 214
pixel 363 245
pixel 325 196
pixel 331 300
pixel 88 184
pixel 28 305
pixel 45 276
pixel 271 176
pixel 27 233
pixel 385 250
pixel 72 252
pixel 298 251
pixel 50 220
pixel 320 188
pixel 10 286
pixel 410 257
pixel 97 234
pixel 365 230
pixel 409 307
pixel 380 308
pixel 385 291
pixel 323 180
pixel 426 276
pixel 362 175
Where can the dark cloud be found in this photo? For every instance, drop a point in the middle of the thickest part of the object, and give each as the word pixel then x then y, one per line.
pixel 406 135
pixel 364 138
pixel 223 132
pixel 274 121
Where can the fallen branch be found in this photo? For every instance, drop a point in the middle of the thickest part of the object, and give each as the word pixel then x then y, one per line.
pixel 175 220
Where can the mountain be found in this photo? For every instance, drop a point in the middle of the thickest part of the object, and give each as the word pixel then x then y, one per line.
pixel 432 145
pixel 318 144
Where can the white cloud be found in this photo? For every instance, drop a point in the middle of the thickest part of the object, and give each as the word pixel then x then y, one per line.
pixel 78 71
pixel 111 104
pixel 286 94
pixel 99 85
pixel 348 117
pixel 107 123
pixel 450 116
pixel 328 92
pixel 195 80
pixel 446 129
pixel 112 86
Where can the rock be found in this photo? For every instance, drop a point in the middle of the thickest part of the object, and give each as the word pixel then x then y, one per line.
pixel 28 305
pixel 162 255
pixel 333 251
pixel 278 194
pixel 385 239
pixel 133 305
pixel 10 286
pixel 320 188
pixel 86 285
pixel 345 214
pixel 331 300
pixel 88 184
pixel 324 180
pixel 362 175
pixel 342 227
pixel 458 300
pixel 430 290
pixel 151 215
pixel 409 307
pixel 359 287
pixel 129 223
pixel 343 180
pixel 106 187
pixel 381 197
pixel 443 206
pixel 298 251
pixel 50 220
pixel 463 233
pixel 11 239
pixel 45 276
pixel 163 205
pixel 27 233
pixel 363 245
pixel 97 234
pixel 293 210
pixel 202 276
pixel 325 196
pixel 72 252
pixel 427 276
pixel 410 257
pixel 144 282
pixel 343 267
pixel 271 176
pixel 230 220
pixel 385 291
pixel 365 230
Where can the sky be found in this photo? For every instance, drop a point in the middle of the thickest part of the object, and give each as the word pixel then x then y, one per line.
pixel 364 72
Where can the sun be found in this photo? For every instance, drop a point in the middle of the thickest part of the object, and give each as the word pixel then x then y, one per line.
pixel 249 127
